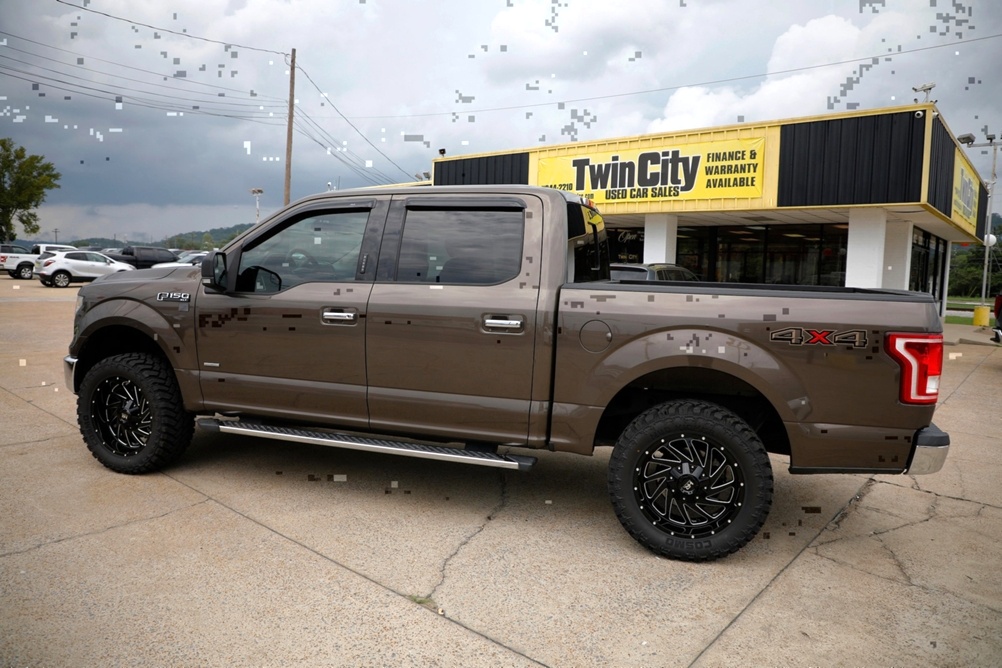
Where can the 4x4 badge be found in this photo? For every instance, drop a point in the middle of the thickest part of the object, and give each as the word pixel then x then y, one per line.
pixel 799 336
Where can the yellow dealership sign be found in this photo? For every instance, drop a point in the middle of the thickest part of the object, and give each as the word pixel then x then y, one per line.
pixel 965 192
pixel 705 170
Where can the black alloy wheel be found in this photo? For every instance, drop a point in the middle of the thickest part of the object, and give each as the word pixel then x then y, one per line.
pixel 690 480
pixel 131 413
pixel 122 415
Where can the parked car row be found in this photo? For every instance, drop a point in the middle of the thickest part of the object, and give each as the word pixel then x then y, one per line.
pixel 60 268
pixel 59 265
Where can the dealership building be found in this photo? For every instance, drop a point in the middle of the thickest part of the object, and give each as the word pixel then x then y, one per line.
pixel 869 199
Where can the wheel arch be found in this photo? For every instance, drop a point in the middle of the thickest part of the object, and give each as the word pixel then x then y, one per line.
pixel 693 382
pixel 117 327
pixel 716 366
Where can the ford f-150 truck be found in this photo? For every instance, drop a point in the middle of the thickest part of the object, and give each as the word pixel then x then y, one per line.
pixel 462 323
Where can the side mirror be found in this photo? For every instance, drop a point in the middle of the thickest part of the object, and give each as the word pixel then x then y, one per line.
pixel 214 272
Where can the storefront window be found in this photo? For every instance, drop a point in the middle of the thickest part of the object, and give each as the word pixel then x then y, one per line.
pixel 928 263
pixel 787 254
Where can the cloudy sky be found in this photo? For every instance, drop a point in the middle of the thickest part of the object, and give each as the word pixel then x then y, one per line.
pixel 161 115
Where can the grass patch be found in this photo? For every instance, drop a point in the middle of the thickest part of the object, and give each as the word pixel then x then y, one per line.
pixel 424 601
pixel 959 320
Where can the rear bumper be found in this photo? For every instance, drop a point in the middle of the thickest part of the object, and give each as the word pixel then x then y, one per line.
pixel 931 447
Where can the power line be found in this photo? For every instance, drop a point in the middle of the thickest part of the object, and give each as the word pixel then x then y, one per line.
pixel 713 82
pixel 333 106
pixel 159 75
pixel 168 30
pixel 215 100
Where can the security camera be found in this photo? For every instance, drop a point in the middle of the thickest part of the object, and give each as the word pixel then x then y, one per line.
pixel 441 152
pixel 990 137
pixel 919 114
pixel 924 88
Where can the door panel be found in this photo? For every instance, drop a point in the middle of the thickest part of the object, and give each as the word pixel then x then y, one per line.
pixel 451 331
pixel 277 354
pixel 289 340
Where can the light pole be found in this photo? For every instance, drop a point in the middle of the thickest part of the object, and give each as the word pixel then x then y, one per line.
pixel 257 192
pixel 56 232
pixel 989 239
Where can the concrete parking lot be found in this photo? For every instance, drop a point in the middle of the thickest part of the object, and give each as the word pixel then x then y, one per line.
pixel 254 553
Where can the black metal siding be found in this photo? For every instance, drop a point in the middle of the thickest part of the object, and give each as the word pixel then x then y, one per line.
pixel 510 168
pixel 860 160
pixel 942 158
pixel 982 221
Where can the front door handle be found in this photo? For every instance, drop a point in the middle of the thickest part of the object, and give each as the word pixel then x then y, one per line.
pixel 332 316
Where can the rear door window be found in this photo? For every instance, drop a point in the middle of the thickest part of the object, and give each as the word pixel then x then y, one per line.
pixel 461 246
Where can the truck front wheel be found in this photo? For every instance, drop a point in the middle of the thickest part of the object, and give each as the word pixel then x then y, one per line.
pixel 131 414
pixel 25 271
pixel 690 480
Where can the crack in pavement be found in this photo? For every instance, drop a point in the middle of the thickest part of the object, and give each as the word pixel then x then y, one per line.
pixel 502 502
pixel 407 597
pixel 930 590
pixel 98 532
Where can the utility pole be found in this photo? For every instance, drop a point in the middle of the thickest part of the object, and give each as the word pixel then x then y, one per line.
pixel 981 312
pixel 257 192
pixel 288 132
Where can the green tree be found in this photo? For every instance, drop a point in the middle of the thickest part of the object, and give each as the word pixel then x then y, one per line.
pixel 24 181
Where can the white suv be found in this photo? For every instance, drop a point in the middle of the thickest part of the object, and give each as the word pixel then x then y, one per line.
pixel 61 268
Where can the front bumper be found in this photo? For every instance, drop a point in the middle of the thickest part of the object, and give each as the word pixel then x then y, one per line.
pixel 931 447
pixel 69 367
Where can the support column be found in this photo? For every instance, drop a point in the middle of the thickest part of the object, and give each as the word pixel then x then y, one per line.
pixel 897 255
pixel 864 262
pixel 660 237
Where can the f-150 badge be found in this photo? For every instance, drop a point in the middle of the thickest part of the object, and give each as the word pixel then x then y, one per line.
pixel 173 297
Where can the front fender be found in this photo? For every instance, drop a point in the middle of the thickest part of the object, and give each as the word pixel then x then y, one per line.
pixel 121 325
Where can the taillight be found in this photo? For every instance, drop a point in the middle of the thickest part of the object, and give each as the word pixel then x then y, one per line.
pixel 921 359
pixel 47 263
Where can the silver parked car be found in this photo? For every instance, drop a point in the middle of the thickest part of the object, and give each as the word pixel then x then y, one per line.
pixel 61 268
pixel 650 272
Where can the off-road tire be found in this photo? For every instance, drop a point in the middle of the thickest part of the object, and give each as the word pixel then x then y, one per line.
pixel 61 279
pixel 131 413
pixel 690 480
pixel 24 272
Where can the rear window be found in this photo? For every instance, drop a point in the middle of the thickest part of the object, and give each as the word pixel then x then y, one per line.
pixel 628 273
pixel 588 245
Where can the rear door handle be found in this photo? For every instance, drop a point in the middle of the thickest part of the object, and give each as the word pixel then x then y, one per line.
pixel 508 323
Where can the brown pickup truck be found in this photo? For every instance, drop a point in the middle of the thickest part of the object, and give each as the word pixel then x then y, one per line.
pixel 459 323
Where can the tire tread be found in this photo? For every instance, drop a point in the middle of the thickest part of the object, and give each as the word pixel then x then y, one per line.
pixel 173 426
pixel 695 411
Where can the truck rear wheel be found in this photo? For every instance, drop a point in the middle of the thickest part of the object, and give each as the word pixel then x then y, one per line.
pixel 131 413
pixel 690 480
